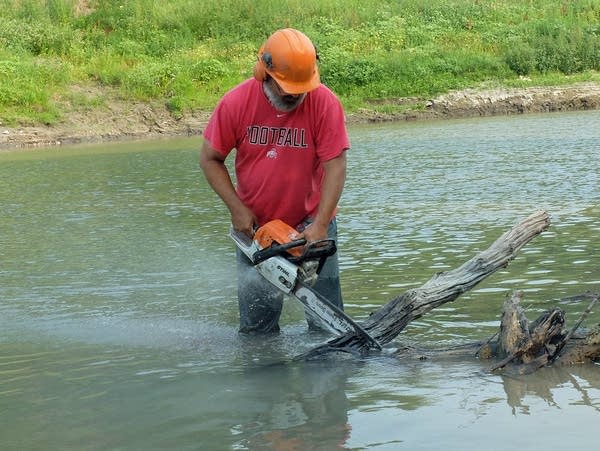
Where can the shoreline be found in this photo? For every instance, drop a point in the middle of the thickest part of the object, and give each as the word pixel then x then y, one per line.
pixel 123 121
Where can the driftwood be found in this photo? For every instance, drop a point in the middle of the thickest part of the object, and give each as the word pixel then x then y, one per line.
pixel 530 345
pixel 522 347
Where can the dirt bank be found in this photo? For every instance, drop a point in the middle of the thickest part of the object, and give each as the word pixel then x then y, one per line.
pixel 124 120
pixel 495 102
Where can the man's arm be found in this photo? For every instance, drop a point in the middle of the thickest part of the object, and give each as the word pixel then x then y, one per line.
pixel 212 164
pixel 331 191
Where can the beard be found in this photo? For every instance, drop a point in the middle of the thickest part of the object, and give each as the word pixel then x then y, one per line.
pixel 281 102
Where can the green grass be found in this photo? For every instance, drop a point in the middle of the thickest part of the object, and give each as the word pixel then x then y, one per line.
pixel 186 53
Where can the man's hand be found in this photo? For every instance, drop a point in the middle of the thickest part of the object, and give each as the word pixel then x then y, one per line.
pixel 314 232
pixel 243 220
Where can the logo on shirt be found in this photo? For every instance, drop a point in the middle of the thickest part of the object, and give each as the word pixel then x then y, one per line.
pixel 272 154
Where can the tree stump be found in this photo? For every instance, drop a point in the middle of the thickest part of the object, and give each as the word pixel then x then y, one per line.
pixel 529 346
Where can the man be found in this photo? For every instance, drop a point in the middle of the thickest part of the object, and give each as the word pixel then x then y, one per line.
pixel 290 138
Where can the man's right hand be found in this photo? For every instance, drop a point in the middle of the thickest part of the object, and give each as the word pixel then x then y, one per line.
pixel 243 220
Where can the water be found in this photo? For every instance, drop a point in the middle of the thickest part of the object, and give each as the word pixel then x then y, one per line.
pixel 118 313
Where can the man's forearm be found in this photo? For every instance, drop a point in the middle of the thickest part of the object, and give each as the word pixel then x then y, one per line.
pixel 218 178
pixel 331 190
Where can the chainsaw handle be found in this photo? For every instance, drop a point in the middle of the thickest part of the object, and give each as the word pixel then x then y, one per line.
pixel 275 249
pixel 316 250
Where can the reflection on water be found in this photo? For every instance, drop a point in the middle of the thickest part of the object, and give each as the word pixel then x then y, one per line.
pixel 118 312
pixel 577 381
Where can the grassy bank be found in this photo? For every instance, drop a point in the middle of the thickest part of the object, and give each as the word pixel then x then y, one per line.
pixel 186 53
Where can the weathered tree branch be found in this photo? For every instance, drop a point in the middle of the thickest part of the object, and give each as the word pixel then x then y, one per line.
pixel 386 323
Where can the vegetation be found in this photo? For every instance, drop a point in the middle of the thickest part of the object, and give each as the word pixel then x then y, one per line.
pixel 186 53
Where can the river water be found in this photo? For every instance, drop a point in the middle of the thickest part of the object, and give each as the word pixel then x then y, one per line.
pixel 118 311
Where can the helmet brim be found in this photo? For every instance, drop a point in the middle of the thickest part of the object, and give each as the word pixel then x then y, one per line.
pixel 291 87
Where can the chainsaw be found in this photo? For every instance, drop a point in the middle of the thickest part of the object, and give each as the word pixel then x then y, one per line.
pixel 292 266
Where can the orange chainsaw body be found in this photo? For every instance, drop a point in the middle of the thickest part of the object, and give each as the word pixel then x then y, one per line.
pixel 277 232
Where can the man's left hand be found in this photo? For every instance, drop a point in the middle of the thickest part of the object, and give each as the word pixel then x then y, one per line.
pixel 314 232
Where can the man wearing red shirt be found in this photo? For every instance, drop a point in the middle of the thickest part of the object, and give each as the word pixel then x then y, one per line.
pixel 290 138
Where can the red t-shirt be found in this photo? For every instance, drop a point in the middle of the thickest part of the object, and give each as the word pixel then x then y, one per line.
pixel 279 155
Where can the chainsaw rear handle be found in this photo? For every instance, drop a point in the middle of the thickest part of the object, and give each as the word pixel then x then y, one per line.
pixel 315 250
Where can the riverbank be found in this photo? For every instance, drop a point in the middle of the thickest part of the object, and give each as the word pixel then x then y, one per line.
pixel 118 120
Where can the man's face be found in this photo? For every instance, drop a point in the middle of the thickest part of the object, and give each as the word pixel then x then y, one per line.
pixel 280 99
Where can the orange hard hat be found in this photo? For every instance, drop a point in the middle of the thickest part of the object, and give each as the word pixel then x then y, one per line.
pixel 289 57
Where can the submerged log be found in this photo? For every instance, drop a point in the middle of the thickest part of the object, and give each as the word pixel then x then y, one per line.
pixel 521 342
pixel 585 350
pixel 524 347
